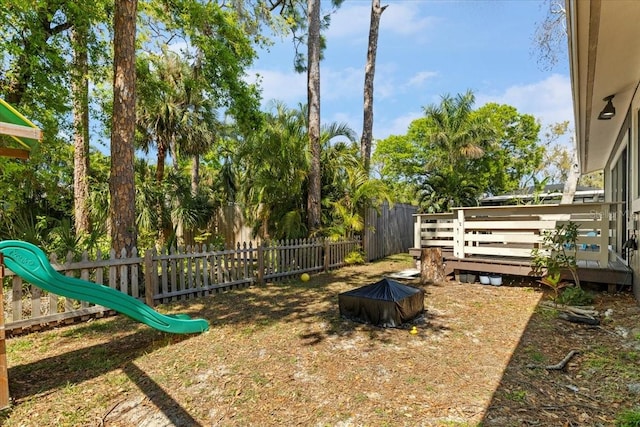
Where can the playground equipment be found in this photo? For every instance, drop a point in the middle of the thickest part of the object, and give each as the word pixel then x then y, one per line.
pixel 30 262
pixel 21 130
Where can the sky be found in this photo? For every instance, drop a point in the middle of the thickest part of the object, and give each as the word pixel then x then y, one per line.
pixel 426 49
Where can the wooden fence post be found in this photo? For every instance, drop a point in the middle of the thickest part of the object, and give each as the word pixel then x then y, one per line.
pixel 4 371
pixel 261 264
pixel 148 279
pixel 326 255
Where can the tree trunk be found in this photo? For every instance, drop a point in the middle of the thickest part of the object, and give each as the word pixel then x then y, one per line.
pixel 121 180
pixel 80 89
pixel 571 184
pixel 369 72
pixel 160 158
pixel 313 95
pixel 195 174
pixel 431 266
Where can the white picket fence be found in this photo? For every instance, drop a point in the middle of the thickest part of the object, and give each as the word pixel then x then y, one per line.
pixel 162 276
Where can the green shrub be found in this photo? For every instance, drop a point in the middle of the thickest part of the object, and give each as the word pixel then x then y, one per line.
pixel 354 257
pixel 629 418
pixel 574 295
pixel 558 253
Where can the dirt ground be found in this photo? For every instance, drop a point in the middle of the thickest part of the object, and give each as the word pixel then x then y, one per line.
pixel 282 355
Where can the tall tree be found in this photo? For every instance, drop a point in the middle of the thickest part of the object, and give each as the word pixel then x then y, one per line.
pixel 455 154
pixel 121 179
pixel 550 37
pixel 38 74
pixel 276 166
pixel 31 37
pixel 370 70
pixel 514 154
pixel 294 12
pixel 313 96
pixel 80 96
pixel 550 43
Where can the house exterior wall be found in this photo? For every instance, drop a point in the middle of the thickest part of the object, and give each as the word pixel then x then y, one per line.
pixel 634 186
pixel 618 171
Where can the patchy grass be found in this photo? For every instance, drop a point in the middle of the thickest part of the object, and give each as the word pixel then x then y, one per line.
pixel 628 418
pixel 281 355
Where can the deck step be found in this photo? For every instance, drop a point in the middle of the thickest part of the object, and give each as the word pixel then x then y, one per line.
pixel 616 274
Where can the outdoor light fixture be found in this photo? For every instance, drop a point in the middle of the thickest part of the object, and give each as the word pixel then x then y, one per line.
pixel 609 110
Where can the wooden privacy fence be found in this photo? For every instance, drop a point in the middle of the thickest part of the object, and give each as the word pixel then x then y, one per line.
pixel 389 230
pixel 161 276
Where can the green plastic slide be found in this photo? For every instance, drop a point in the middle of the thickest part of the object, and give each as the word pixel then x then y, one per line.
pixel 29 262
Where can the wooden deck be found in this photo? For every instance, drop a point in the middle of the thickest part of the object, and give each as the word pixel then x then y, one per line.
pixel 615 274
pixel 500 239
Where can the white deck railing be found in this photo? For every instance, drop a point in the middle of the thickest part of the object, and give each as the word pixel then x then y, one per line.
pixel 513 231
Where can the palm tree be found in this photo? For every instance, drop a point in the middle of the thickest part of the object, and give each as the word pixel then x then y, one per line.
pixel 180 119
pixel 348 189
pixel 161 105
pixel 442 192
pixel 452 129
pixel 456 137
pixel 276 167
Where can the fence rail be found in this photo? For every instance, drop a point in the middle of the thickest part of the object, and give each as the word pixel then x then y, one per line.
pixel 162 276
pixel 514 231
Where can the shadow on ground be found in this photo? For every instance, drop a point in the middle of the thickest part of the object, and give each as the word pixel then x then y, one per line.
pixel 594 386
pixel 48 375
pixel 295 301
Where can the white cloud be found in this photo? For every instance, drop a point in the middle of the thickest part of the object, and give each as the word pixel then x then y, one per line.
pixel 405 19
pixel 398 126
pixel 344 83
pixel 350 21
pixel 548 100
pixel 399 18
pixel 420 78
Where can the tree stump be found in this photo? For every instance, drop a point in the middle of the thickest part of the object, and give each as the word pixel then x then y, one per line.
pixel 431 266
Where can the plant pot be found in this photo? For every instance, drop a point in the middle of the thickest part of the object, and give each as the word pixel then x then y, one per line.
pixel 484 279
pixel 495 280
pixel 471 278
